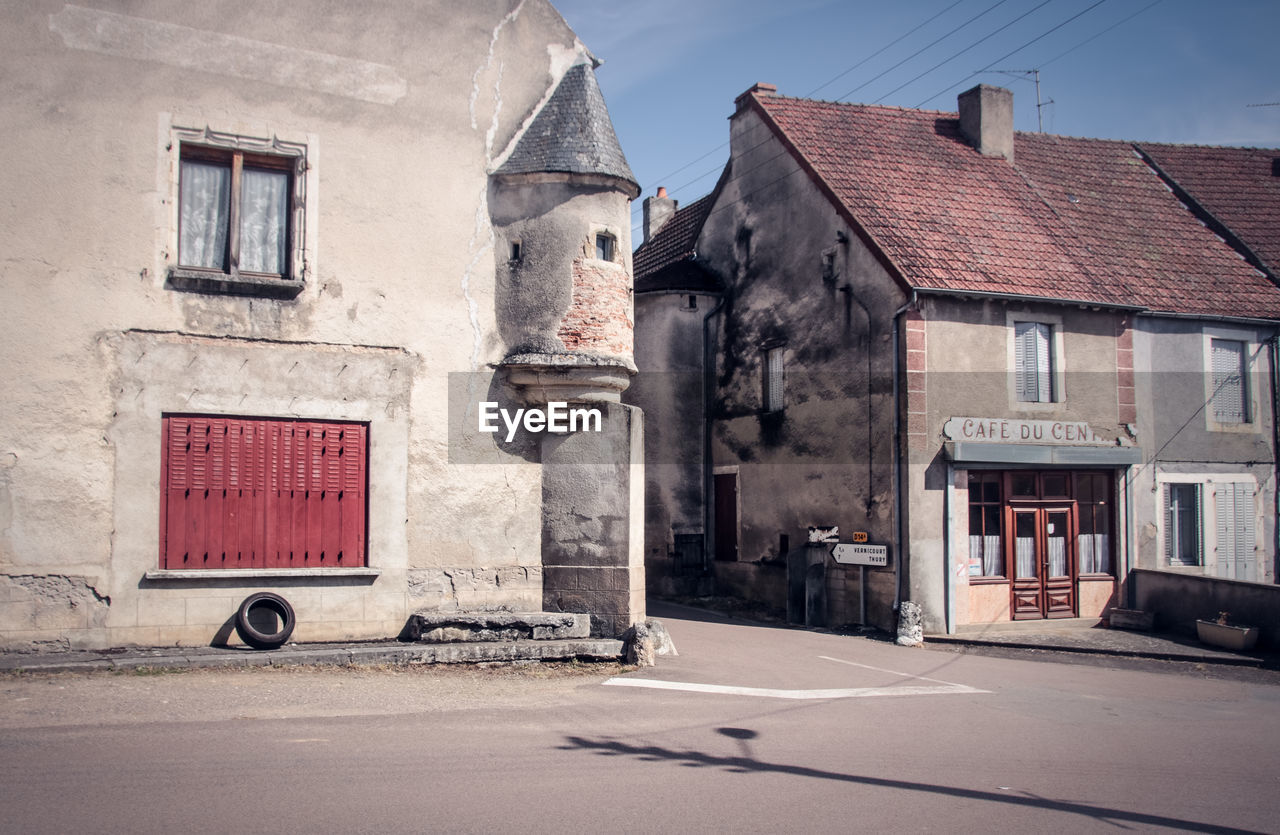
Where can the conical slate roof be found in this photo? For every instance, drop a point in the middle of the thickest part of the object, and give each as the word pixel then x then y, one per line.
pixel 573 134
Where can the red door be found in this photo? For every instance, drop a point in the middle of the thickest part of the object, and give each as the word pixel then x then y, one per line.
pixel 262 493
pixel 1043 563
pixel 726 519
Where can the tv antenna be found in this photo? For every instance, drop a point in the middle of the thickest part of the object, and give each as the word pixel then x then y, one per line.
pixel 1040 105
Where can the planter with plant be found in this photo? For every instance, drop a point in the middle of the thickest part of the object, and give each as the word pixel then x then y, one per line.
pixel 1222 633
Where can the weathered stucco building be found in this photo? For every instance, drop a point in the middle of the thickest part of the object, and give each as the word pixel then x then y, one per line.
pixel 1015 366
pixel 263 270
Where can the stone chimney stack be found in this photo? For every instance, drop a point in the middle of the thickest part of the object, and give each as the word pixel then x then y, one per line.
pixel 986 120
pixel 657 211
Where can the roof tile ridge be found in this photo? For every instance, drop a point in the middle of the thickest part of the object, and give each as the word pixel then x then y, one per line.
pixel 1201 146
pixel 867 105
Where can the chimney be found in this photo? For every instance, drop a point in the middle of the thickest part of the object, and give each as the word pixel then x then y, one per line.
pixel 986 120
pixel 760 88
pixel 657 211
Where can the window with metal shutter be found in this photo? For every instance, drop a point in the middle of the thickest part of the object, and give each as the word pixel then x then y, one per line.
pixel 262 493
pixel 1230 392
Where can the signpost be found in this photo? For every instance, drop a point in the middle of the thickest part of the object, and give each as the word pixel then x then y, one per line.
pixel 873 555
pixel 861 554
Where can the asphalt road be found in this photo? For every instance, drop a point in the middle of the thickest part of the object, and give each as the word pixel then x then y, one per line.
pixel 751 729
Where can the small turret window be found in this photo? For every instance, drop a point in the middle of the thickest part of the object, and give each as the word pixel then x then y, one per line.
pixel 604 246
pixel 515 251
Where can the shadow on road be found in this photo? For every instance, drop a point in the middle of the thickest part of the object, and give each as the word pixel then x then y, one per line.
pixel 747 764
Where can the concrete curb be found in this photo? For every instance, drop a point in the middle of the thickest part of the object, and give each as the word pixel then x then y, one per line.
pixel 1206 657
pixel 363 655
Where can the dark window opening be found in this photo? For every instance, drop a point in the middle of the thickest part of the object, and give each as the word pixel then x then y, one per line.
pixel 604 246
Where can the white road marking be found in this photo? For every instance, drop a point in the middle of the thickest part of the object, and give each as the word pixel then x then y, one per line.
pixel 771 693
pixel 892 672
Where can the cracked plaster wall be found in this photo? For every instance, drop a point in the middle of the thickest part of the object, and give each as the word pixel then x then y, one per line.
pixel 399 287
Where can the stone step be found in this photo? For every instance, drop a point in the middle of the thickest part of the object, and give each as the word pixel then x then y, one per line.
pixel 458 627
pixel 471 652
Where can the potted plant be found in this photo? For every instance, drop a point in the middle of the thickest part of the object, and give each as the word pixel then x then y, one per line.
pixel 1221 633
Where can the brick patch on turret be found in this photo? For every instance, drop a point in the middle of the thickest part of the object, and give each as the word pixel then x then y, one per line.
pixel 599 320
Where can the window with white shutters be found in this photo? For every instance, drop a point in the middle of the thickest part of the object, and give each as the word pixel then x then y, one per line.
pixel 1235 531
pixel 1182 540
pixel 1230 395
pixel 1033 362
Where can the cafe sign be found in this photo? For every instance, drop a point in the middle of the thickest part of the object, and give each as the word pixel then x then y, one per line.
pixel 1013 431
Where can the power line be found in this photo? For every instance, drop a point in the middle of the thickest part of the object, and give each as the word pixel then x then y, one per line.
pixel 875 54
pixel 1001 59
pixel 882 49
pixel 1092 38
pixel 963 51
pixel 922 49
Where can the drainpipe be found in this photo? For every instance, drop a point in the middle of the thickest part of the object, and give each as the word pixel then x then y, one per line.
pixel 1275 451
pixel 897 451
pixel 708 478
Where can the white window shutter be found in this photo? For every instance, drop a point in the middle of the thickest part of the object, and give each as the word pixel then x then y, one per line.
pixel 1044 363
pixel 1226 362
pixel 1224 495
pixel 1246 562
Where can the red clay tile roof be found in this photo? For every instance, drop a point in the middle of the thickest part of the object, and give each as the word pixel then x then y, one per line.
pixel 675 241
pixel 951 219
pixel 1238 186
pixel 1126 215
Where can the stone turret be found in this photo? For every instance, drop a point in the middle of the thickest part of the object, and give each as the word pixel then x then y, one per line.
pixel 560 205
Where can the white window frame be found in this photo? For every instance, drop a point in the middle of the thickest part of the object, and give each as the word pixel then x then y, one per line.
pixel 1057 360
pixel 1249 344
pixel 1209 484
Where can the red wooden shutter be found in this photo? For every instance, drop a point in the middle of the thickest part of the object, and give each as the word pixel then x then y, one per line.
pixel 262 493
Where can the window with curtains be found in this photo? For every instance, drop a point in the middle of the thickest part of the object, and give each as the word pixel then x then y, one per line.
pixel 1230 395
pixel 1033 362
pixel 239 217
pixel 986 547
pixel 1093 523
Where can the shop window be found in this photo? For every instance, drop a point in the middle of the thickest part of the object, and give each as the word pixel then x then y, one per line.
pixel 1230 395
pixel 1033 360
pixel 1183 544
pixel 986 545
pixel 1093 524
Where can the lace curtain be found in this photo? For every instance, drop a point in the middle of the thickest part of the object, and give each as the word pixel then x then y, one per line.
pixel 984 552
pixel 206 200
pixel 264 205
pixel 1095 553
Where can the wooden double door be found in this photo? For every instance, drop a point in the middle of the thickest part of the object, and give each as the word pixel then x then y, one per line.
pixel 1044 561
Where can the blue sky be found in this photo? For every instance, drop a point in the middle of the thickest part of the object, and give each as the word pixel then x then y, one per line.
pixel 1175 71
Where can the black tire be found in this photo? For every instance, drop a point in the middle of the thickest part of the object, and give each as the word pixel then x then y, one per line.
pixel 274 603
